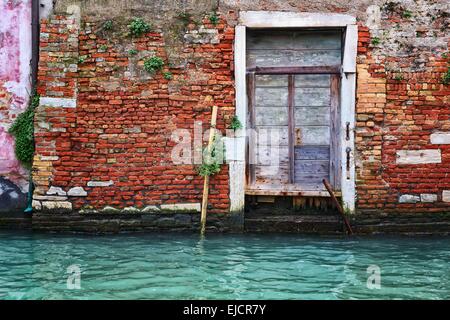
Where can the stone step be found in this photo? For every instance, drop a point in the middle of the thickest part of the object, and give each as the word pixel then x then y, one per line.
pixel 307 224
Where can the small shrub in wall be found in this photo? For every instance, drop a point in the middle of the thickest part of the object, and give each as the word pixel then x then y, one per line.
pixel 168 75
pixel 138 27
pixel 153 64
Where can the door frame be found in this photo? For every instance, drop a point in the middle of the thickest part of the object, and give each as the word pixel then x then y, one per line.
pixel 278 19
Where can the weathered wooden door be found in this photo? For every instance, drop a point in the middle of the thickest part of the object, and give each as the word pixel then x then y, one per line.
pixel 293 87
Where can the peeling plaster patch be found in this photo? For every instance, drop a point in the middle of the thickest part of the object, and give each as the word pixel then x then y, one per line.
pixel 419 156
pixel 408 198
pixel 202 35
pixel 58 102
pixel 15 50
pixel 77 192
pixel 446 195
pixel 181 207
pixel 428 197
pixel 46 8
pixel 100 183
pixel 440 138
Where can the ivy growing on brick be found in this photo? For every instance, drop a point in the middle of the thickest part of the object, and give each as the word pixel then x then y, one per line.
pixel 23 132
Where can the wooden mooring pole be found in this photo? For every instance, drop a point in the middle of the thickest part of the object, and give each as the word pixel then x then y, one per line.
pixel 338 205
pixel 212 132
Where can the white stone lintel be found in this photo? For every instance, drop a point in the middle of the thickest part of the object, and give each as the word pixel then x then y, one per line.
pixel 282 19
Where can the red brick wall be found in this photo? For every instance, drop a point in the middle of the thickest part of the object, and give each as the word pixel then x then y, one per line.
pixel 399 110
pixel 121 127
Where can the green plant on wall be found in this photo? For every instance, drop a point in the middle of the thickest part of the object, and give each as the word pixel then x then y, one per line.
pixel 132 52
pixel 23 132
pixel 213 18
pixel 138 27
pixel 153 64
pixel 407 14
pixel 375 41
pixel 235 123
pixel 107 25
pixel 168 75
pixel 446 77
pixel 185 18
pixel 211 161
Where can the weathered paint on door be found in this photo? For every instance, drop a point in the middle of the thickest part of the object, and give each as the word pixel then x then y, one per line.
pixel 294 116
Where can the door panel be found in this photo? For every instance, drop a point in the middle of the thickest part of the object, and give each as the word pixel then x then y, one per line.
pixel 314 116
pixel 312 130
pixel 271 126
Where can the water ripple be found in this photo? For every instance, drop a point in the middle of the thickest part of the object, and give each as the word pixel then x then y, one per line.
pixel 182 266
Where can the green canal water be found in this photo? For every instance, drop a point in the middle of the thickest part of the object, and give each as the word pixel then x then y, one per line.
pixel 183 266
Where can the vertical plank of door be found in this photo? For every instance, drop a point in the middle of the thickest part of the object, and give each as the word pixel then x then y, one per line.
pixel 335 168
pixel 291 126
pixel 251 152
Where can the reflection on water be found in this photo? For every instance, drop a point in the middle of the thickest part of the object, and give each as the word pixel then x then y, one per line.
pixel 183 266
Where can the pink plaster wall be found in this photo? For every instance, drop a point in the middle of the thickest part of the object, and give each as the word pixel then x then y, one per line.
pixel 15 86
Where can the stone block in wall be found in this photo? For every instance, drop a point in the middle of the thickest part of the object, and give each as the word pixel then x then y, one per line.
pixel 440 138
pixel 418 156
pixel 77 192
pixel 409 198
pixel 57 206
pixel 446 195
pixel 181 207
pixel 58 102
pixel 428 197
pixel 56 191
pixel 100 183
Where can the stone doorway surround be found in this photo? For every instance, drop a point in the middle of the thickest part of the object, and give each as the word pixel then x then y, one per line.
pixel 236 148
